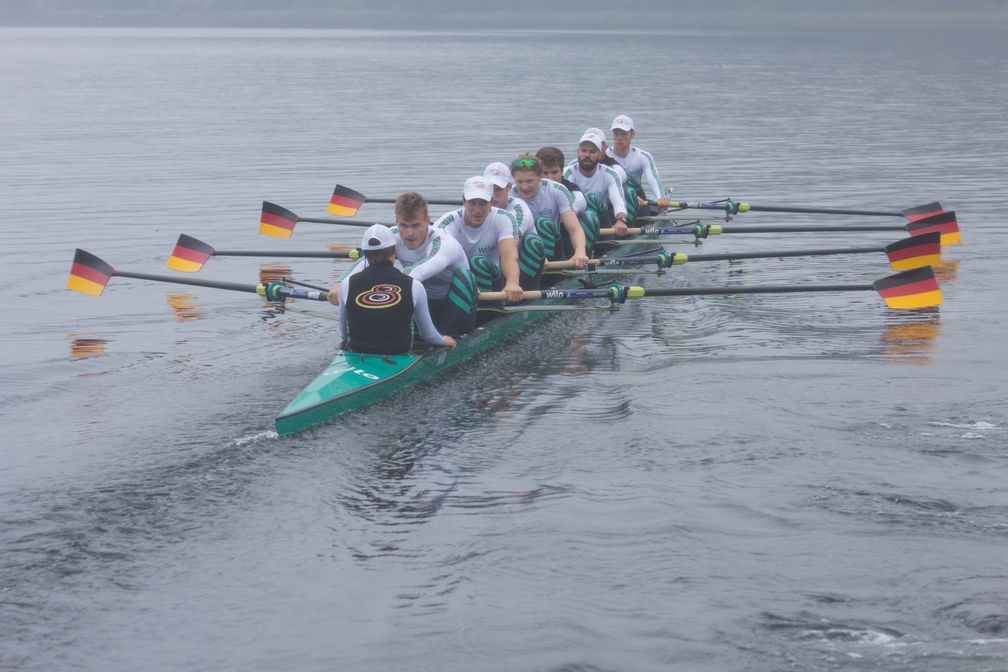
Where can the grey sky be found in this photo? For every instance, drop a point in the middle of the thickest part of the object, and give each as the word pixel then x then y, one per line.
pixel 681 14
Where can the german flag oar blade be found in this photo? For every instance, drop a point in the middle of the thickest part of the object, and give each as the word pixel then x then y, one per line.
pixel 189 254
pixel 910 289
pixel 276 221
pixel 915 252
pixel 345 202
pixel 89 274
pixel 944 223
pixel 922 211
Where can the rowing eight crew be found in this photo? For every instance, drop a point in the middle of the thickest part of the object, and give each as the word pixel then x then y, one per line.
pixel 512 220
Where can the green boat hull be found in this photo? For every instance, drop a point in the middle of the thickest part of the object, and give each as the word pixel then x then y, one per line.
pixel 354 380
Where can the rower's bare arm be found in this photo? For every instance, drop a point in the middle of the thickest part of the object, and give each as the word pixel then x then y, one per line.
pixel 573 226
pixel 508 249
pixel 334 294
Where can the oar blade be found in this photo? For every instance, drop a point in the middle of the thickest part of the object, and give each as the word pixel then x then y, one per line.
pixel 89 274
pixel 915 252
pixel 917 288
pixel 345 202
pixel 276 222
pixel 922 211
pixel 189 254
pixel 944 223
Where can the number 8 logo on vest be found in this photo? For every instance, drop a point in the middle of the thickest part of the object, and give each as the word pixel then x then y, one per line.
pixel 380 296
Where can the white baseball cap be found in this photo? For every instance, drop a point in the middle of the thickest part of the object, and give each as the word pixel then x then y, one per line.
pixel 594 136
pixel 477 187
pixel 498 174
pixel 377 237
pixel 623 123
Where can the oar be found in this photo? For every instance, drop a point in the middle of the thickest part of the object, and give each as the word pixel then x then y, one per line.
pixel 944 223
pixel 190 254
pixel 912 252
pixel 278 222
pixel 917 288
pixel 733 207
pixel 90 274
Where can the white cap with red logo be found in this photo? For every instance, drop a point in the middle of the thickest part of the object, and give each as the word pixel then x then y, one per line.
pixel 477 187
pixel 498 174
pixel 623 123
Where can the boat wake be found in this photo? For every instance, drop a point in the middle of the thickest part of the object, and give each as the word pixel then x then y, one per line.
pixel 254 438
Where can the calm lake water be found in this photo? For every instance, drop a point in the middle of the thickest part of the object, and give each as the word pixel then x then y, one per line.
pixel 771 482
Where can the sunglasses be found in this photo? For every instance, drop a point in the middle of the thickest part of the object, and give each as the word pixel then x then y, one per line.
pixel 523 163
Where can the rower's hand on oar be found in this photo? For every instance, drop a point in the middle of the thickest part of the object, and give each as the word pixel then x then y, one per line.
pixel 580 260
pixel 334 294
pixel 619 228
pixel 449 342
pixel 512 292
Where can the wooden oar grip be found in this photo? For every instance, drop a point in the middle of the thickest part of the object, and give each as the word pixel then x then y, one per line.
pixel 500 296
pixel 631 231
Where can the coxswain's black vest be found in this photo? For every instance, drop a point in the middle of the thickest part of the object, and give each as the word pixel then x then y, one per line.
pixel 379 310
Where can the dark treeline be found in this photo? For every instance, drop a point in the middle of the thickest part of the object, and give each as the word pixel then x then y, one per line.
pixel 681 14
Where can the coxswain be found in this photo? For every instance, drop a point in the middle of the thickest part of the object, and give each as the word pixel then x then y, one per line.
pixel 552 207
pixel 379 304
pixel 435 259
pixel 600 186
pixel 489 237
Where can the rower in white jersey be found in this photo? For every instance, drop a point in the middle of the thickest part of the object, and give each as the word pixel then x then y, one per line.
pixel 489 237
pixel 605 163
pixel 552 206
pixel 435 259
pixel 600 186
pixel 638 164
pixel 500 177
pixel 531 247
pixel 552 159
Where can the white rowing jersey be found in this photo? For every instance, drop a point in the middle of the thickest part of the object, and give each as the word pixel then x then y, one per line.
pixel 603 183
pixel 552 200
pixel 522 214
pixel 433 263
pixel 640 165
pixel 499 225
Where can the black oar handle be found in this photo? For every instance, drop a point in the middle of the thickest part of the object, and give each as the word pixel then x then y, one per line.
pixel 312 254
pixel 180 280
pixel 340 220
pixel 430 201
pixel 822 211
pixel 812 229
pixel 784 253
pixel 758 289
pixel 280 290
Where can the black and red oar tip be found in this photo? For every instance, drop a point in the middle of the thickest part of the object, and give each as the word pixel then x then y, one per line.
pixel 944 223
pixel 915 251
pixel 910 289
pixel 345 202
pixel 189 254
pixel 89 274
pixel 921 211
pixel 276 221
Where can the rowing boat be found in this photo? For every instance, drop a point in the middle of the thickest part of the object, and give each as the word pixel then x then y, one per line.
pixel 354 380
